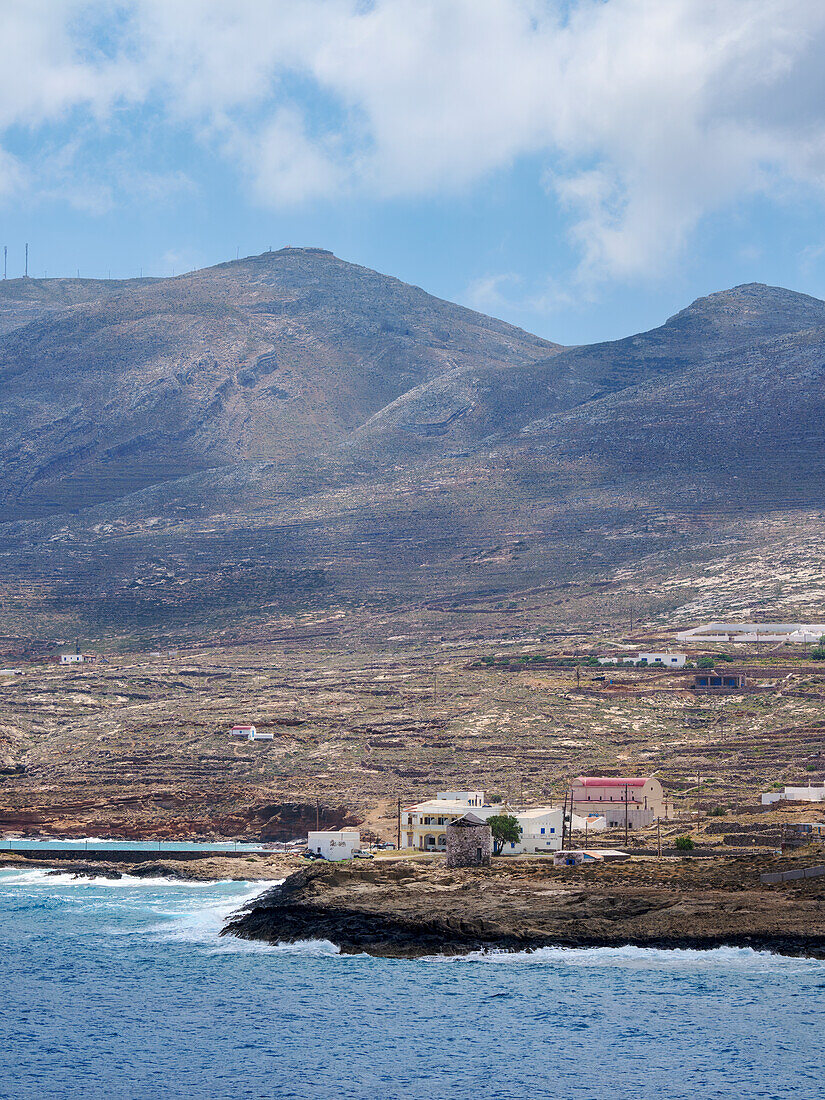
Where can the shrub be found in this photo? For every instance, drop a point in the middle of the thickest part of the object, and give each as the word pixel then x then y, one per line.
pixel 705 662
pixel 718 811
pixel 684 843
pixel 818 654
pixel 495 798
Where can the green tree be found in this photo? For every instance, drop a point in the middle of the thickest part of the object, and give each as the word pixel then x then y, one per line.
pixel 684 843
pixel 506 830
pixel 705 662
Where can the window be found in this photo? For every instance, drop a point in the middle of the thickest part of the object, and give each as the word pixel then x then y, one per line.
pixel 542 832
pixel 551 830
pixel 512 844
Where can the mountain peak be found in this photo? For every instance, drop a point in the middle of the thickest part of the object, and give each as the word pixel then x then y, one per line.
pixel 754 310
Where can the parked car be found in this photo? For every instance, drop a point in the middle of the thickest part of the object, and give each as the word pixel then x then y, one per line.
pixel 387 846
pixel 312 855
pixel 362 853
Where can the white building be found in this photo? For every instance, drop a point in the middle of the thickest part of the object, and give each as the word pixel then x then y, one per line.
pixel 801 633
pixel 666 660
pixel 250 733
pixel 71 658
pixel 424 826
pixel 794 794
pixel 334 844
pixel 540 831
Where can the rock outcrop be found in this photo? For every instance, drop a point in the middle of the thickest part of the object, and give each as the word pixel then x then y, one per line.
pixel 403 909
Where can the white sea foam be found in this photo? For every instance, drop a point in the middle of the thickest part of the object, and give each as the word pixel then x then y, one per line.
pixel 631 957
pixel 44 877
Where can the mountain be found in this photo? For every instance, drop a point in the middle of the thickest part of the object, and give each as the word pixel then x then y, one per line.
pixel 468 405
pixel 25 300
pixel 293 435
pixel 273 357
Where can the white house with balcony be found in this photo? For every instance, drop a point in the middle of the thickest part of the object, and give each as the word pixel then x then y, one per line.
pixel 424 825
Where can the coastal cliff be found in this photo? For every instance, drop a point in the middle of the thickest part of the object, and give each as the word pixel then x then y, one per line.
pixel 406 909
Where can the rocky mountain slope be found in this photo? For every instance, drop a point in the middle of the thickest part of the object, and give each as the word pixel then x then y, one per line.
pixel 26 300
pixel 276 356
pixel 292 430
pixel 469 405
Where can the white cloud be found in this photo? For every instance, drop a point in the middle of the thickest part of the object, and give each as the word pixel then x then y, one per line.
pixel 648 114
pixel 505 293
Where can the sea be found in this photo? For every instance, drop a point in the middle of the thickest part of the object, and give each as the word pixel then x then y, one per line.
pixel 124 988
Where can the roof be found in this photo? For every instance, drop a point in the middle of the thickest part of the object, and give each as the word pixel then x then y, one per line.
pixel 611 781
pixel 438 806
pixel 469 820
pixel 539 811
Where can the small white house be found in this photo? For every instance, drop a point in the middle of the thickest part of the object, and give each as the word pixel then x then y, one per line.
pixel 71 658
pixel 250 733
pixel 243 730
pixel 666 660
pixel 335 844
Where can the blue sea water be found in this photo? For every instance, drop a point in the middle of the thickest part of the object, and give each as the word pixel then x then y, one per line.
pixel 123 989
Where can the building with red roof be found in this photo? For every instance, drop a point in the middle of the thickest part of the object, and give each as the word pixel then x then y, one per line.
pixel 636 801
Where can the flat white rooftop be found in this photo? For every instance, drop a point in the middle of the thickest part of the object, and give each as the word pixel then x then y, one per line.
pixel 752 632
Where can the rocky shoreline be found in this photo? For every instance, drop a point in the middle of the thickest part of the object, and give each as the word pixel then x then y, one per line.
pixel 408 910
pixel 209 869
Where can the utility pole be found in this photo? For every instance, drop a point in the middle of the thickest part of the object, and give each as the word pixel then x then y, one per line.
pixel 625 815
pixel 698 795
pixel 5 260
pixel 659 837
pixel 27 262
pixel 398 826
pixel 317 815
pixel 567 823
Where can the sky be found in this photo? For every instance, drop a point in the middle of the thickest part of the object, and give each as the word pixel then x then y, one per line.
pixel 581 168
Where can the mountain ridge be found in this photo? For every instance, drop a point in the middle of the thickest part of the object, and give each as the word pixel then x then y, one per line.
pixel 428 456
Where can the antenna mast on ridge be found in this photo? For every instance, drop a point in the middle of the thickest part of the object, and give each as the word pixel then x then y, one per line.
pixel 26 275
